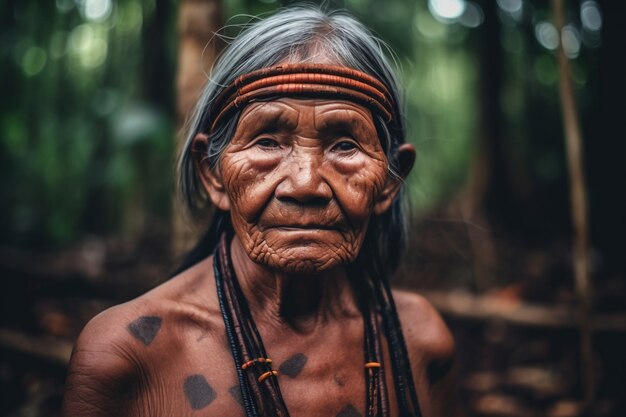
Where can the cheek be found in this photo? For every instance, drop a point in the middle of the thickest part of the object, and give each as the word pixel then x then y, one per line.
pixel 251 180
pixel 248 183
pixel 358 185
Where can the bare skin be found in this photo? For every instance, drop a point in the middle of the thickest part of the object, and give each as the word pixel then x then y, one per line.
pixel 301 179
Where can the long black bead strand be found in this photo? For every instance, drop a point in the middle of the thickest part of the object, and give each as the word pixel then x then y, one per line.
pixel 246 395
pixel 267 392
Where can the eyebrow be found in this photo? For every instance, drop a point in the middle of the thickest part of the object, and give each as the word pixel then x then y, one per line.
pixel 268 117
pixel 352 121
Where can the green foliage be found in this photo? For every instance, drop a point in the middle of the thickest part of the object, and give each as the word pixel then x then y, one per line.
pixel 82 140
pixel 87 134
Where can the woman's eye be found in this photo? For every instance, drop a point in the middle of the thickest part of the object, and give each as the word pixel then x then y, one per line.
pixel 267 143
pixel 344 146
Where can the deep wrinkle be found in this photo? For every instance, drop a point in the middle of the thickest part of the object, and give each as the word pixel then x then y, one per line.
pixel 299 173
pixel 314 313
pixel 299 303
pixel 282 145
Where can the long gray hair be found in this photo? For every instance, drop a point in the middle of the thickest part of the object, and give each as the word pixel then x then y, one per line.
pixel 299 34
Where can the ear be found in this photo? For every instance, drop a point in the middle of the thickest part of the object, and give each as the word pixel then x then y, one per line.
pixel 406 159
pixel 211 178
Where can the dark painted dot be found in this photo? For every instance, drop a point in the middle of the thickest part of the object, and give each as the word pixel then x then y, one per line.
pixel 236 394
pixel 437 370
pixel 349 411
pixel 145 328
pixel 198 392
pixel 292 366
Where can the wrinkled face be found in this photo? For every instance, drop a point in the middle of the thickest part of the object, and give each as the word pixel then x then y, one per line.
pixel 302 179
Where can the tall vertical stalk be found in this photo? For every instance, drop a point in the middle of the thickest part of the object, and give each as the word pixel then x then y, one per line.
pixel 198 21
pixel 579 210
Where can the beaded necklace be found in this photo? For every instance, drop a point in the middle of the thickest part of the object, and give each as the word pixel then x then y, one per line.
pixel 259 387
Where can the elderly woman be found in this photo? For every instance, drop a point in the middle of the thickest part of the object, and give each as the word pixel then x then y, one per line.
pixel 284 308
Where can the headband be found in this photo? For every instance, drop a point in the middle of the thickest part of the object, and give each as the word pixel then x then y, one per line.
pixel 309 80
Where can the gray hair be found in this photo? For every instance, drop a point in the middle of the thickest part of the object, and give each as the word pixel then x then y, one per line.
pixel 299 34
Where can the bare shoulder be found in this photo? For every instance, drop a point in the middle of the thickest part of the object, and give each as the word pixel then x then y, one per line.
pixel 112 352
pixel 423 328
pixel 431 350
pixel 188 294
pixel 121 329
pixel 102 343
pixel 101 367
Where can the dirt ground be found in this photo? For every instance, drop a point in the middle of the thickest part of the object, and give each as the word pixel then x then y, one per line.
pixel 507 367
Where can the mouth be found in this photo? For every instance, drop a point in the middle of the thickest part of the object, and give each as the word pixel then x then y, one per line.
pixel 305 220
pixel 301 227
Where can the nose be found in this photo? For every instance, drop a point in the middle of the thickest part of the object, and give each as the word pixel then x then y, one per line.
pixel 302 181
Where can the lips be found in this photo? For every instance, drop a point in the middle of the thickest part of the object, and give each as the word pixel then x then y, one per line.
pixel 302 224
pixel 305 227
pixel 301 216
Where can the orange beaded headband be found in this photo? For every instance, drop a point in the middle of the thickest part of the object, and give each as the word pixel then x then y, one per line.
pixel 309 80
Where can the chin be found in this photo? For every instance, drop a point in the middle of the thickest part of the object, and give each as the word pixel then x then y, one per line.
pixel 302 260
pixel 301 251
pixel 303 266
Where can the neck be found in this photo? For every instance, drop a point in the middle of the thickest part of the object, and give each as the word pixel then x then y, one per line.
pixel 300 301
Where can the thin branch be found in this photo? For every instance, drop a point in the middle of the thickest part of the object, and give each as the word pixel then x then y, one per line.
pixel 463 305
pixel 578 196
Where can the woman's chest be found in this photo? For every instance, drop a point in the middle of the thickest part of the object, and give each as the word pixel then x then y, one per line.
pixel 204 382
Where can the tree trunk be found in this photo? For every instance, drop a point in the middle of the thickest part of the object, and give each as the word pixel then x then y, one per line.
pixel 198 20
pixel 578 195
pixel 486 172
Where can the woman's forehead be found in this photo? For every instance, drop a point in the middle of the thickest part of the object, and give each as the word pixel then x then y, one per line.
pixel 293 110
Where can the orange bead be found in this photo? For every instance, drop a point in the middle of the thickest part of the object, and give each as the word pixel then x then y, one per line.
pixel 372 365
pixel 267 375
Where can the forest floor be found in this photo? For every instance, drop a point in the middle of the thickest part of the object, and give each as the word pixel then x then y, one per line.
pixel 511 362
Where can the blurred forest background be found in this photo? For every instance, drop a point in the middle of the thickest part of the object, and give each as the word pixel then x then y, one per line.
pixel 94 95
